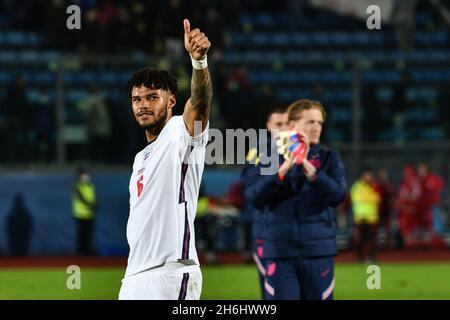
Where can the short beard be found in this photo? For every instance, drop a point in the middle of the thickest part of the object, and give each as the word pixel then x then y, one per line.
pixel 156 127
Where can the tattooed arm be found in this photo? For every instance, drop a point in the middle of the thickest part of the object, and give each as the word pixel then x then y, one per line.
pixel 199 104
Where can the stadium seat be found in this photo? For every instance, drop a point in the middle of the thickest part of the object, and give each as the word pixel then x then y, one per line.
pixel 5 78
pixel 7 56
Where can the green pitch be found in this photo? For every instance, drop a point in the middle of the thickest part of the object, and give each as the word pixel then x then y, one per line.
pixel 398 281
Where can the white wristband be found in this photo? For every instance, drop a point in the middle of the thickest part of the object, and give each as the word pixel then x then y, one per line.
pixel 200 64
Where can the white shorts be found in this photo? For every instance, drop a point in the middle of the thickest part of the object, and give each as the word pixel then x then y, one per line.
pixel 169 282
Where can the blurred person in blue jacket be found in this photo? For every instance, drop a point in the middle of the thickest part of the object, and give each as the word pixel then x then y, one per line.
pixel 296 206
pixel 277 120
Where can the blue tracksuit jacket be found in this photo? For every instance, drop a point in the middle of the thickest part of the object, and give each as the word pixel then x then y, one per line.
pixel 295 217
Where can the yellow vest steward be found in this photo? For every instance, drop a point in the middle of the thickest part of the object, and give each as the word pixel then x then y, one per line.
pixel 365 201
pixel 202 206
pixel 83 200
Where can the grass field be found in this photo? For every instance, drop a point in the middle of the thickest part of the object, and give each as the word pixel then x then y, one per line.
pixel 398 281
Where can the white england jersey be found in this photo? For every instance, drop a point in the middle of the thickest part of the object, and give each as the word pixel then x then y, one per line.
pixel 164 189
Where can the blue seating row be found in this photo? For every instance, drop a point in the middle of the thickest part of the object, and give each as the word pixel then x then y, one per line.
pixel 20 39
pixel 254 56
pixel 79 78
pixel 335 38
pixel 272 20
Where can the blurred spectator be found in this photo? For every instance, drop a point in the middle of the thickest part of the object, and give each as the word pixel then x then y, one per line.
pixel 45 128
pixel 121 133
pixel 229 206
pixel 233 199
pixel 213 28
pixel 221 75
pixel 55 25
pixel 215 212
pixel 345 217
pixel 265 99
pixel 90 32
pixel 108 17
pixel 84 203
pixel 372 121
pixel 173 10
pixel 444 107
pixel 365 202
pixel 23 14
pixel 3 133
pixel 404 19
pixel 19 126
pixel 229 12
pixel 238 100
pixel 407 205
pixel 400 103
pixel 429 218
pixel 19 227
pixel 98 124
pixel 385 188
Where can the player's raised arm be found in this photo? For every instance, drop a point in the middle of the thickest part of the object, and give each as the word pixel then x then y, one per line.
pixel 199 104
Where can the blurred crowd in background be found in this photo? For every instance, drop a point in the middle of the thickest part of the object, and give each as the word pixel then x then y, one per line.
pixel 377 213
pixel 399 98
pixel 263 53
pixel 111 26
pixel 385 216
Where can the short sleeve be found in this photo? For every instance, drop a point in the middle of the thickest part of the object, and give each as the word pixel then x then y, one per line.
pixel 200 140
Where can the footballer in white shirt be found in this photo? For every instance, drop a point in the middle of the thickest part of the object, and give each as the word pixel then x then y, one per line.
pixel 165 182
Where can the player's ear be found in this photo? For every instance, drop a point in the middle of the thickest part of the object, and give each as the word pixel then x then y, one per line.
pixel 172 101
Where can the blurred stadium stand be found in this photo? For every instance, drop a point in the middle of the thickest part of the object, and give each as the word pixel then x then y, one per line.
pixel 387 107
pixel 47 195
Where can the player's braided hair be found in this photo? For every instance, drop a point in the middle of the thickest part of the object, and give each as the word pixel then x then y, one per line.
pixel 152 78
pixel 296 108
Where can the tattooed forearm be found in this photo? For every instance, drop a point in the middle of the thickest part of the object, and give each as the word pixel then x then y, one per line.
pixel 201 90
